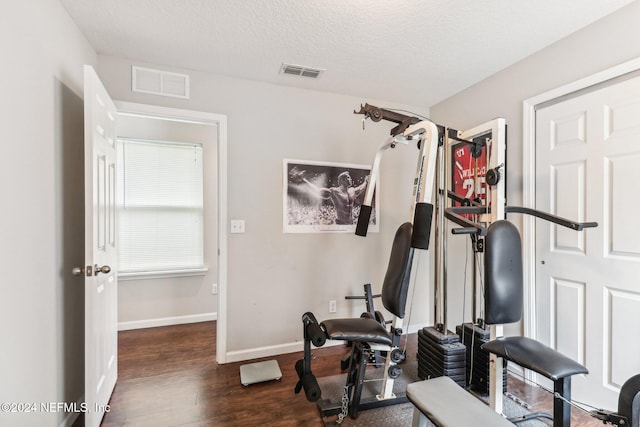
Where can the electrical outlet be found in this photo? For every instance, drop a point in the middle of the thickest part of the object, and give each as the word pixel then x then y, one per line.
pixel 332 306
pixel 214 288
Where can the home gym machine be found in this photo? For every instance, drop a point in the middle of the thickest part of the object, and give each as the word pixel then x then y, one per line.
pixel 481 216
pixel 366 334
pixel 495 241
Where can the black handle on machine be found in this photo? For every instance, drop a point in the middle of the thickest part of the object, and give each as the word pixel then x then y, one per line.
pixel 578 226
pixel 363 220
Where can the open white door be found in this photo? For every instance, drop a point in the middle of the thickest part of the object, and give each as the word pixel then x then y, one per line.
pixel 100 270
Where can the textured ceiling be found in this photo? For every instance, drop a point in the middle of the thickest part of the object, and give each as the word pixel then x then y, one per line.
pixel 416 52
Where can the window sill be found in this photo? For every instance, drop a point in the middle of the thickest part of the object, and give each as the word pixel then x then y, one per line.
pixel 141 275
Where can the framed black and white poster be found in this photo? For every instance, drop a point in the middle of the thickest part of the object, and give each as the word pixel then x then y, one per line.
pixel 324 197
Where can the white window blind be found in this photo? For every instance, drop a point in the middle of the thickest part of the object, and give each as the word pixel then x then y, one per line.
pixel 160 206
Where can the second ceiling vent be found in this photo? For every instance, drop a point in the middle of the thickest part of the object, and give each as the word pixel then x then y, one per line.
pixel 301 70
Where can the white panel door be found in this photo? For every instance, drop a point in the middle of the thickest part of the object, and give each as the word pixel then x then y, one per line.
pixel 588 283
pixel 101 291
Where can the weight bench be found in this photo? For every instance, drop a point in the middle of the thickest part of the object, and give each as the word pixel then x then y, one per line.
pixel 537 357
pixel 446 404
pixel 503 304
pixel 367 335
pixel 440 399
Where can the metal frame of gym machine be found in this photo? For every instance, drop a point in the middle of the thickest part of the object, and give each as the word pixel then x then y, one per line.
pixel 428 136
pixel 437 174
pixel 490 137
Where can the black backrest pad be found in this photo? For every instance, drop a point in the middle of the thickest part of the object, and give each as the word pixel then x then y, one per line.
pixel 396 281
pixel 503 274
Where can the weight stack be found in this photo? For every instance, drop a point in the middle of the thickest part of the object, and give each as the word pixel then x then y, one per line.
pixel 473 337
pixel 441 355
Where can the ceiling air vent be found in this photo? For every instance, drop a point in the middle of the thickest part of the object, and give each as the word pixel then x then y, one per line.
pixel 157 82
pixel 300 70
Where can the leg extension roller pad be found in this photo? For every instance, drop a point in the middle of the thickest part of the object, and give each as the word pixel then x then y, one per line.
pixel 446 404
pixel 308 382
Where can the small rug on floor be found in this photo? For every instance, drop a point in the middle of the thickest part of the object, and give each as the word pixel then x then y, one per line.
pixel 399 415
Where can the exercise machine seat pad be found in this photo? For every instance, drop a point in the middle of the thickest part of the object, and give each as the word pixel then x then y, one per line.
pixel 396 280
pixel 394 296
pixel 629 401
pixel 534 355
pixel 362 329
pixel 446 404
pixel 503 274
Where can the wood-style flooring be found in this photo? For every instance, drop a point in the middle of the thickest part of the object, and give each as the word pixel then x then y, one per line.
pixel 168 377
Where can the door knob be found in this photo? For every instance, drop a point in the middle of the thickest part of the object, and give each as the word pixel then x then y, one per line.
pixel 95 270
pixel 104 269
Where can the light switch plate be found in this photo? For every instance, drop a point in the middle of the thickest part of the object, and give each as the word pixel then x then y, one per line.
pixel 237 226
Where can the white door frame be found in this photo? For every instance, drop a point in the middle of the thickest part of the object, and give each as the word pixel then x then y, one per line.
pixel 220 120
pixel 530 106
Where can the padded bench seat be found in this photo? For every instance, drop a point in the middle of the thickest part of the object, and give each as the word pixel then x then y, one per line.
pixel 446 404
pixel 534 355
pixel 358 329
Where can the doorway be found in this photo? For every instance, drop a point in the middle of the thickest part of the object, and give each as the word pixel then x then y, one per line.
pixel 174 293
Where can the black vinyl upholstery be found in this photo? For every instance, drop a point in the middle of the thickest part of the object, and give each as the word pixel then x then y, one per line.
pixel 536 356
pixel 396 281
pixel 394 296
pixel 363 329
pixel 503 304
pixel 629 401
pixel 503 274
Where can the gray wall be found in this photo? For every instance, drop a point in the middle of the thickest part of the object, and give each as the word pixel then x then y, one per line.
pixel 606 43
pixel 42 226
pixel 273 278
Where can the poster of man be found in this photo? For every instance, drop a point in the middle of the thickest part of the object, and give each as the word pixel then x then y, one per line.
pixel 324 197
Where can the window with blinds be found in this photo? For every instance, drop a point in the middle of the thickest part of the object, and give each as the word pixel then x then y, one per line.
pixel 160 206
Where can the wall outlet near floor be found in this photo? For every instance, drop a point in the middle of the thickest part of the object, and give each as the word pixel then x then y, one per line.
pixel 214 288
pixel 332 306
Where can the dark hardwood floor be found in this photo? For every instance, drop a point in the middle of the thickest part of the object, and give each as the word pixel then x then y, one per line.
pixel 168 377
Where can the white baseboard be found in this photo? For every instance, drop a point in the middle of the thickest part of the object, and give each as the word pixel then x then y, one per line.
pixel 166 321
pixel 415 328
pixel 69 420
pixel 73 416
pixel 271 350
pixel 275 350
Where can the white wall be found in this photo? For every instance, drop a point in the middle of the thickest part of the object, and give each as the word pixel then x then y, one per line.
pixel 273 278
pixel 41 185
pixel 606 43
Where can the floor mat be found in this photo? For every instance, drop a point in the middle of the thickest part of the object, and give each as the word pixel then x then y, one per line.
pixel 396 415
